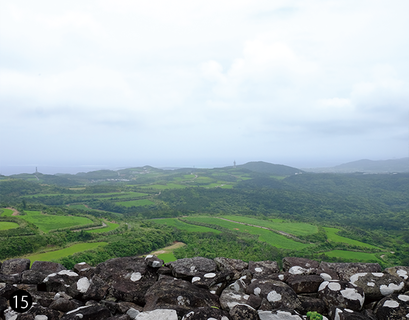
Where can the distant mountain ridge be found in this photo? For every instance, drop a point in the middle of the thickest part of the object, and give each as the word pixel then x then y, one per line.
pixel 270 168
pixel 368 166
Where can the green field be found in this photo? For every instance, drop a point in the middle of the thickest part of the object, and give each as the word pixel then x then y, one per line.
pixel 135 203
pixel 47 222
pixel 352 255
pixel 294 228
pixel 270 237
pixel 58 254
pixel 332 236
pixel 110 226
pixel 174 222
pixel 167 257
pixel 5 225
pixel 6 212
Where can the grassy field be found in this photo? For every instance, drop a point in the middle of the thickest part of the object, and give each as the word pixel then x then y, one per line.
pixel 135 203
pixel 4 225
pixel 6 212
pixel 58 254
pixel 110 226
pixel 116 195
pixel 50 222
pixel 270 237
pixel 166 254
pixel 173 222
pixel 332 236
pixel 359 256
pixel 294 228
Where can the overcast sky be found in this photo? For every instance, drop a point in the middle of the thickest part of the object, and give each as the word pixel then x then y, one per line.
pixel 203 83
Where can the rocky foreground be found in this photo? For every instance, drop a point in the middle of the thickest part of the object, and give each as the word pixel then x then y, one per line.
pixel 201 288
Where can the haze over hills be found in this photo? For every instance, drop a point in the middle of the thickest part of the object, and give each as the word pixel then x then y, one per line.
pixel 368 166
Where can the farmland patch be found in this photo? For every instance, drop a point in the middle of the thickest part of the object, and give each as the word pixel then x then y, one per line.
pixel 333 236
pixel 174 222
pixel 5 225
pixel 353 255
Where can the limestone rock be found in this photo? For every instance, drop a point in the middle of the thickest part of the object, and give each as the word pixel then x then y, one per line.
pixel 39 312
pixel 376 285
pixel 347 314
pixel 393 307
pixel 210 279
pixel 261 268
pixel 7 290
pixel 341 294
pixel 304 283
pixel 277 293
pixel 279 315
pixel 190 267
pixel 97 289
pixel 162 314
pixel 65 305
pixel 207 313
pixel 233 265
pixel 179 295
pixel 346 270
pixel 235 294
pixel 289 262
pixel 244 311
pixel 96 312
pixel 402 272
pixel 60 281
pixel 312 304
pixel 14 266
pixel 153 261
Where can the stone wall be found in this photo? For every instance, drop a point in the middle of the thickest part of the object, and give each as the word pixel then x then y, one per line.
pixel 201 288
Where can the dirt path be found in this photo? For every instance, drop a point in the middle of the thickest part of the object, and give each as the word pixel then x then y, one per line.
pixel 15 212
pixel 273 230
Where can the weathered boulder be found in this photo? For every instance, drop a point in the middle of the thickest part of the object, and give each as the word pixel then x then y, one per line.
pixel 244 311
pixel 84 270
pixel 393 307
pixel 210 279
pixel 236 294
pixel 60 281
pixel 94 312
pixel 178 294
pixel 233 265
pixel 261 268
pixel 97 289
pixel 153 261
pixel 47 266
pixel 162 314
pixel 38 312
pixel 128 278
pixel 14 266
pixel 312 304
pixel 304 263
pixel 189 267
pixel 7 290
pixel 278 294
pixel 402 272
pixel 39 271
pixel 206 313
pixel 304 283
pixel 341 294
pixel 279 315
pixel 3 306
pixel 65 305
pixel 376 285
pixel 346 270
pixel 347 314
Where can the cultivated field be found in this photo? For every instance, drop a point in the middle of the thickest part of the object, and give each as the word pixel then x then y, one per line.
pixel 135 203
pixel 46 222
pixel 332 236
pixel 358 256
pixel 4 225
pixel 174 222
pixel 110 226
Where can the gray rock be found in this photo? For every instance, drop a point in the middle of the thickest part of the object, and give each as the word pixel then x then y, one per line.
pixel 96 312
pixel 233 265
pixel 47 266
pixel 346 270
pixel 3 305
pixel 7 290
pixel 210 279
pixel 132 313
pixel 394 307
pixel 189 267
pixel 78 267
pixel 341 294
pixel 42 298
pixel 164 270
pixel 401 271
pixel 347 314
pixel 304 283
pixel 178 294
pixel 14 266
pixel 60 281
pixel 10 278
pixel 38 312
pixel 279 315
pixel 312 304
pixel 278 294
pixel 65 305
pixel 376 285
pixel 162 314
pixel 206 313
pixel 261 268
pixel 243 311
pixel 234 294
pixel 153 261
pixel 289 262
pixel 97 290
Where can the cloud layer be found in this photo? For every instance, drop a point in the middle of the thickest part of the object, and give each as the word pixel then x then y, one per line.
pixel 203 83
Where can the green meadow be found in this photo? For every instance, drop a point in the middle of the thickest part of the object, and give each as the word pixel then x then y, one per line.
pixel 268 236
pixel 6 212
pixel 58 254
pixel 167 257
pixel 294 228
pixel 46 222
pixel 352 255
pixel 174 222
pixel 332 236
pixel 4 225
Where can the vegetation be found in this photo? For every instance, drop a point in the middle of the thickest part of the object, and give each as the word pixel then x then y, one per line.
pixel 256 211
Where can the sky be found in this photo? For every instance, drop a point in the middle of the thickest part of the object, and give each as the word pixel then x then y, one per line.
pixel 106 84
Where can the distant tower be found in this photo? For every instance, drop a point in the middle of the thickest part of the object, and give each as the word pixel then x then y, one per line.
pixel 234 164
pixel 36 170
